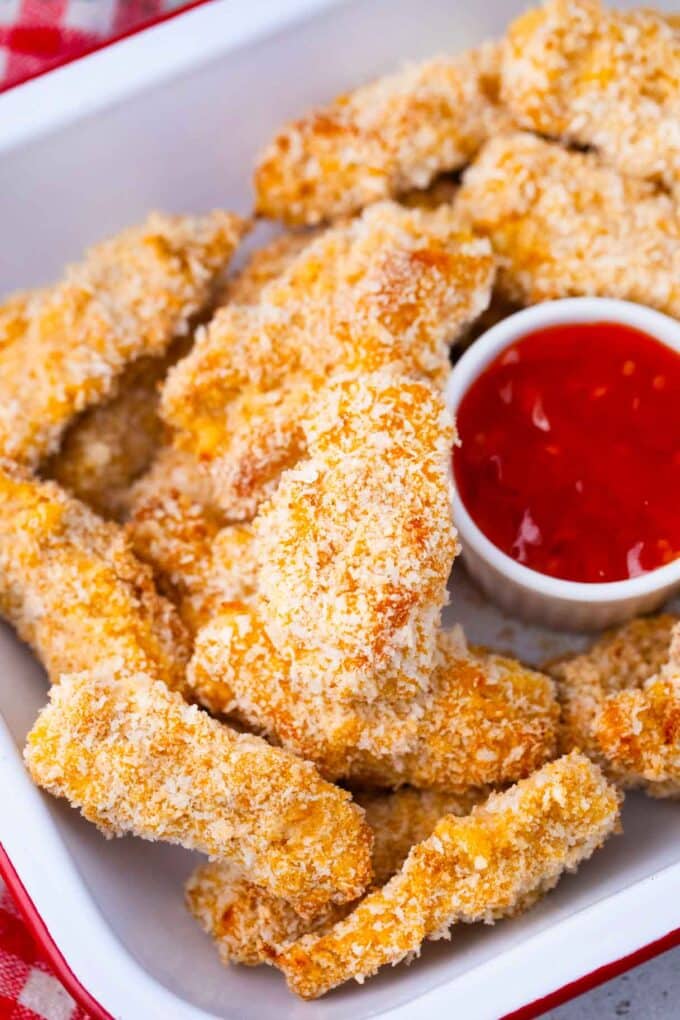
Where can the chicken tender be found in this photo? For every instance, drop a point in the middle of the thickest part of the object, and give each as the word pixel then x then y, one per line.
pixel 131 296
pixel 199 561
pixel 73 589
pixel 609 80
pixel 621 704
pixel 112 444
pixel 382 139
pixel 250 926
pixel 135 758
pixel 390 290
pixel 564 225
pixel 338 654
pixel 509 850
pixel 356 545
pixel 481 720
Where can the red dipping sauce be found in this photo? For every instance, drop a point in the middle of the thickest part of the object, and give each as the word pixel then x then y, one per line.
pixel 570 456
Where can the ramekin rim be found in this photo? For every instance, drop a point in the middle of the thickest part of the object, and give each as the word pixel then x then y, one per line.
pixel 468 368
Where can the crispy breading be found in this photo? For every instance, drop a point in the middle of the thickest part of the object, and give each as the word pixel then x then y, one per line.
pixel 250 926
pixel 621 704
pixel 135 758
pixel 130 296
pixel 514 846
pixel 73 589
pixel 482 718
pixel 405 817
pixel 112 444
pixel 382 139
pixel 15 314
pixel 607 79
pixel 198 560
pixel 391 289
pixel 264 265
pixel 563 224
pixel 356 545
pixel 339 656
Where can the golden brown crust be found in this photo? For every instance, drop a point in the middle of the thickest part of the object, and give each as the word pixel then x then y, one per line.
pixel 338 655
pixel 621 704
pixel 355 547
pixel 389 290
pixel 514 846
pixel 135 758
pixel 198 561
pixel 382 139
pixel 72 587
pixel 608 79
pixel 563 224
pixel 245 286
pixel 250 926
pixel 481 719
pixel 130 296
pixel 111 445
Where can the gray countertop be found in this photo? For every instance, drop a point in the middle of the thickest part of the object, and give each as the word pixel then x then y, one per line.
pixel 649 992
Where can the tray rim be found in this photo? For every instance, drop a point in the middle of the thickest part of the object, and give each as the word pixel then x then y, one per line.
pixel 42 95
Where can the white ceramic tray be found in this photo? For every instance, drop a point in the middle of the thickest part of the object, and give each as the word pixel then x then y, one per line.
pixel 172 118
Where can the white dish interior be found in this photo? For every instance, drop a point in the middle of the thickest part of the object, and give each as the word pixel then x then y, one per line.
pixel 188 144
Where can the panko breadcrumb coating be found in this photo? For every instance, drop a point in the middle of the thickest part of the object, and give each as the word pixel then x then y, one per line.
pixel 382 139
pixel 199 561
pixel 356 545
pixel 112 444
pixel 389 290
pixel 339 655
pixel 621 704
pixel 135 758
pixel 606 79
pixel 264 265
pixel 15 313
pixel 73 589
pixel 482 718
pixel 130 296
pixel 479 868
pixel 564 225
pixel 250 926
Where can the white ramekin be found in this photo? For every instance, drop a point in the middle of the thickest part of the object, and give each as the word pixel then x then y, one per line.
pixel 566 605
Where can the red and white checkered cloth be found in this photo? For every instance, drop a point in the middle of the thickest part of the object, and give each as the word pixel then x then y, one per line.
pixel 36 35
pixel 28 990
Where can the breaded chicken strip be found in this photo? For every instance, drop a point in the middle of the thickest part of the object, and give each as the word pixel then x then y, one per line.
pixel 609 80
pixel 621 704
pixel 135 758
pixel 564 225
pixel 338 655
pixel 391 289
pixel 112 444
pixel 199 561
pixel 131 296
pixel 73 589
pixel 482 719
pixel 509 850
pixel 356 545
pixel 251 926
pixel 382 139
